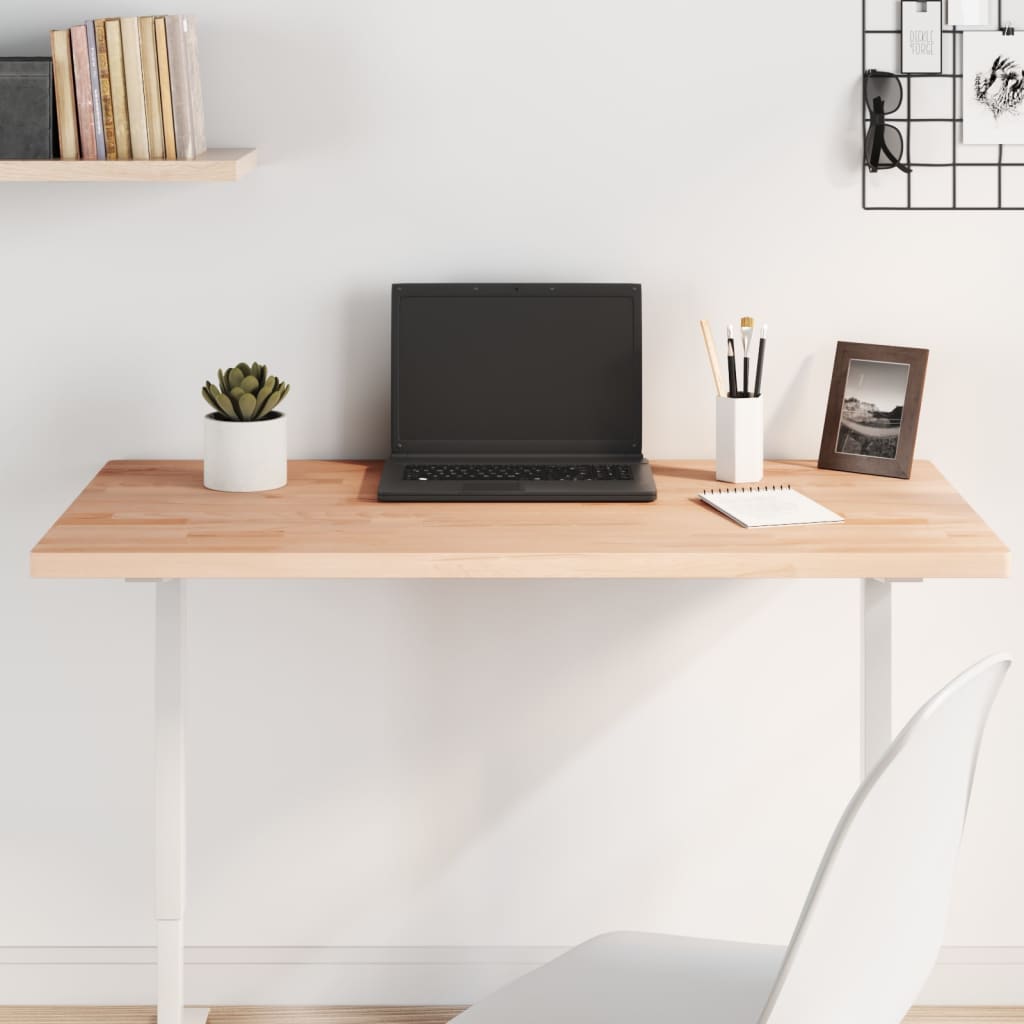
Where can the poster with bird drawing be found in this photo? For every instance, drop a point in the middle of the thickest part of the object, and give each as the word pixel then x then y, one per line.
pixel 993 82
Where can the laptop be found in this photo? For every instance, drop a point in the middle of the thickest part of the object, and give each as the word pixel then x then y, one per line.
pixel 516 392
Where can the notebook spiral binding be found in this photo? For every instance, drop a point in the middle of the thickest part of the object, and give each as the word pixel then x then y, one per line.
pixel 750 490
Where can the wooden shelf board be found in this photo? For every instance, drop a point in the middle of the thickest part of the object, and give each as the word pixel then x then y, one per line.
pixel 213 165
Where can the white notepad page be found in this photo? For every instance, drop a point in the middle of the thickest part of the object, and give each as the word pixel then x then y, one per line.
pixel 768 506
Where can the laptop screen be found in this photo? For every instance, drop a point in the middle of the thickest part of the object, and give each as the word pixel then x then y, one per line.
pixel 516 368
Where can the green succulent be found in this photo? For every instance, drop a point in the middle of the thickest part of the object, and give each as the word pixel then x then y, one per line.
pixel 246 392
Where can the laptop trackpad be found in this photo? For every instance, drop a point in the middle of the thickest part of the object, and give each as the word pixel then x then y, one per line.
pixel 490 486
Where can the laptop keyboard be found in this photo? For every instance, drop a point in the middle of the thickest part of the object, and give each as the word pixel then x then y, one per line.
pixel 502 471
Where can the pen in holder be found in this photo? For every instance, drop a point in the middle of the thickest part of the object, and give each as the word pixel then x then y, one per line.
pixel 739 439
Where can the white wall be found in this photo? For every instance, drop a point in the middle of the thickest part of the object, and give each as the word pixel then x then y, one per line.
pixel 482 763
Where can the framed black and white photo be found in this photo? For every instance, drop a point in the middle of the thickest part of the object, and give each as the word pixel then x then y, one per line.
pixel 873 409
pixel 993 84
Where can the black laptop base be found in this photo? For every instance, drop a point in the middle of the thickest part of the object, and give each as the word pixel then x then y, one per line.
pixel 482 479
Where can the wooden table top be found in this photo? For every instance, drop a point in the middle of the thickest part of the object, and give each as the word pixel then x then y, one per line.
pixel 156 520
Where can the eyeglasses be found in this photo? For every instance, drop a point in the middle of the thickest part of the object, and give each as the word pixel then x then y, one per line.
pixel 883 144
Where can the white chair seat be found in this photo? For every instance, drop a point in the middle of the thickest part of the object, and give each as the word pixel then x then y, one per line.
pixel 869 931
pixel 639 978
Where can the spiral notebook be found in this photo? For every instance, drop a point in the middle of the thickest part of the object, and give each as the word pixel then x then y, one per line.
pixel 777 505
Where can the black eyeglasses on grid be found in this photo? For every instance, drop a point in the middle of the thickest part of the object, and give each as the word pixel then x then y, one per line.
pixel 883 143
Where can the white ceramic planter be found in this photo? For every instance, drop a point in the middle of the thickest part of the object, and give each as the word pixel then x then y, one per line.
pixel 246 456
pixel 739 440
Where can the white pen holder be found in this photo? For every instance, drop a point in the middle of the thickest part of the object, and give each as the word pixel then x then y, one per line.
pixel 739 440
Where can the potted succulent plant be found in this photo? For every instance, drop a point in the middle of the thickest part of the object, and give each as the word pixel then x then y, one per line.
pixel 246 444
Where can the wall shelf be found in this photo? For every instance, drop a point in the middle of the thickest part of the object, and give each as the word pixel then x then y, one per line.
pixel 213 165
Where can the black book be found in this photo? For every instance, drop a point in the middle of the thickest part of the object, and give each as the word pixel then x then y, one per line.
pixel 28 122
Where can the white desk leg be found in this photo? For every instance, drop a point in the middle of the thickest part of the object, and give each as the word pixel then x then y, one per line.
pixel 170 806
pixel 876 672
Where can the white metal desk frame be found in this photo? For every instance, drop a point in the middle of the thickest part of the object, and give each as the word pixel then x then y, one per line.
pixel 875 735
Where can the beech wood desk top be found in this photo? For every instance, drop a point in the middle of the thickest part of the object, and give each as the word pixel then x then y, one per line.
pixel 155 519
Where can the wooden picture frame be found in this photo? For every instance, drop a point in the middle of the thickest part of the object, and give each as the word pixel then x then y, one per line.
pixel 869 427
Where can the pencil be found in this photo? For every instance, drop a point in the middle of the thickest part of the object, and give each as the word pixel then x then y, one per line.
pixel 716 370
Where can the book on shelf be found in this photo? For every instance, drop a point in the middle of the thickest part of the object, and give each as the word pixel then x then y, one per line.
pixel 83 93
pixel 166 105
pixel 151 88
pixel 106 100
pixel 186 97
pixel 97 99
pixel 64 93
pixel 131 47
pixel 195 87
pixel 28 125
pixel 118 90
pixel 129 88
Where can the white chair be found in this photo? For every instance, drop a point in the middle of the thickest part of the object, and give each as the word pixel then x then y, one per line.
pixel 869 932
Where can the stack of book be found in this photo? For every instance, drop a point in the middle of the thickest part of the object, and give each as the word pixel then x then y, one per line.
pixel 128 89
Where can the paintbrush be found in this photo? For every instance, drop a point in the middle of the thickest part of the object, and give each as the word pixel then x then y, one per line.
pixel 747 331
pixel 760 361
pixel 731 360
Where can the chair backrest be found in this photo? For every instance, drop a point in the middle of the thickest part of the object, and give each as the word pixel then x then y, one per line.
pixel 873 922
